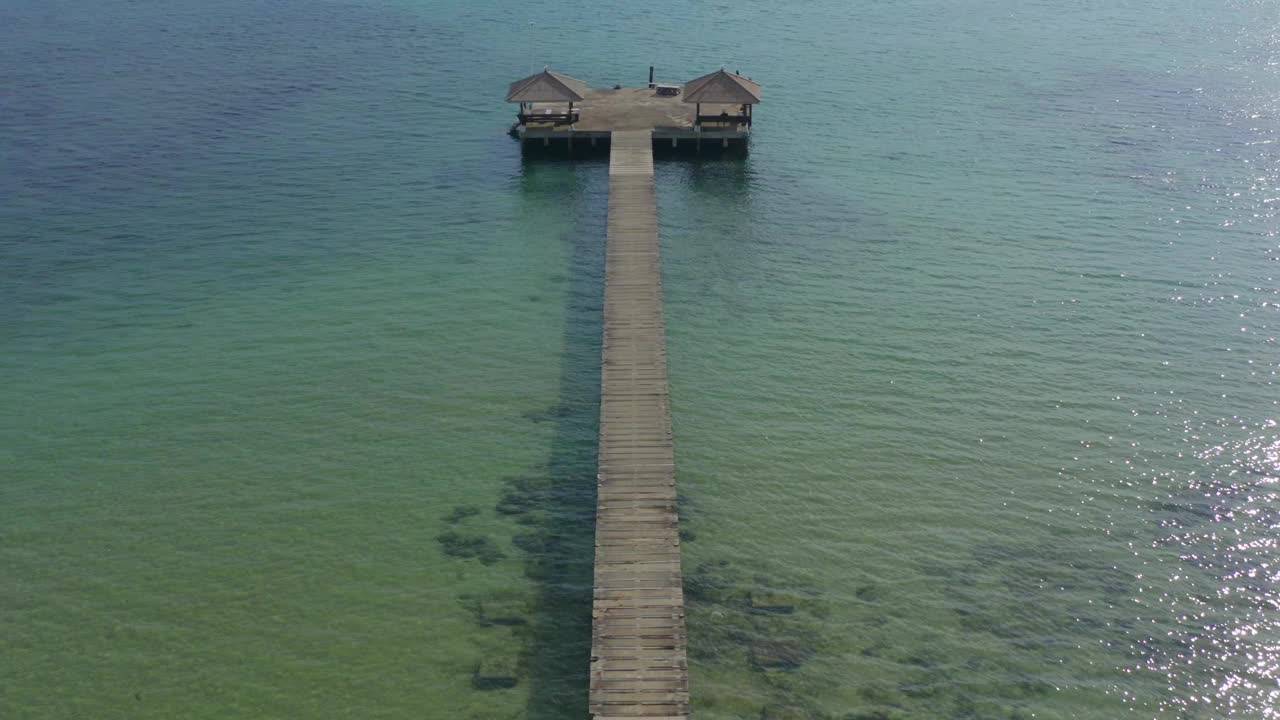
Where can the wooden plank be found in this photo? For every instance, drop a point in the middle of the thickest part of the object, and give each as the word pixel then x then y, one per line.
pixel 638 666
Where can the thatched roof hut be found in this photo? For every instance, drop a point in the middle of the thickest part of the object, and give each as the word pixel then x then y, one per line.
pixel 723 88
pixel 547 86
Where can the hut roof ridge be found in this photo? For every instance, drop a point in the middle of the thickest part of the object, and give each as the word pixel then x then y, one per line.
pixel 722 86
pixel 547 86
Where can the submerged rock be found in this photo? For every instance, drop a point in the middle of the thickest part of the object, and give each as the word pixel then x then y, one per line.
pixel 458 545
pixel 524 495
pixel 504 610
pixel 782 655
pixel 713 582
pixel 555 412
pixel 771 603
pixel 780 712
pixel 877 694
pixel 460 513
pixel 530 542
pixel 870 593
pixel 876 714
pixel 498 672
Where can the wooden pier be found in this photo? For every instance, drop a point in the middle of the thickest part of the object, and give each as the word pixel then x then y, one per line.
pixel 638 664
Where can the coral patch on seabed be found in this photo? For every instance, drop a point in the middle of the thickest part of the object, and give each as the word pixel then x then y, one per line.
pixel 507 609
pixel 463 546
pixel 524 496
pixel 498 672
pixel 779 654
pixel 743 622
pixel 460 513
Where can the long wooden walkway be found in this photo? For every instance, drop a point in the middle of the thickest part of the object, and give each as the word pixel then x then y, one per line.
pixel 638 665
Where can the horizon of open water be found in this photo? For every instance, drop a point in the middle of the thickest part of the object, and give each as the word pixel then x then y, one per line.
pixel 973 359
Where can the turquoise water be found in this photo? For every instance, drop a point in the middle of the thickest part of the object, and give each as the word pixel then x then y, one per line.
pixel 973 360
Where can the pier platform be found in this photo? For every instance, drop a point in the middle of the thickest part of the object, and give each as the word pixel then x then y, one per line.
pixel 667 118
pixel 638 647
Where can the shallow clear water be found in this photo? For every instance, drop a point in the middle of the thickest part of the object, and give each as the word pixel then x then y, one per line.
pixel 973 360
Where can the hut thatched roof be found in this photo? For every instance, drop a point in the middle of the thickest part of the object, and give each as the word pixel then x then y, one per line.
pixel 547 86
pixel 722 87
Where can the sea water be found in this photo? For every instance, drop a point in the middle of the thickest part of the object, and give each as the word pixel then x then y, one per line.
pixel 972 358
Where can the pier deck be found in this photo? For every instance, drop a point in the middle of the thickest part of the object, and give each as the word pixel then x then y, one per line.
pixel 606 110
pixel 638 661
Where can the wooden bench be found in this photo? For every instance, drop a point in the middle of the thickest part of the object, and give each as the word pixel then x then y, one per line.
pixel 562 118
pixel 727 119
